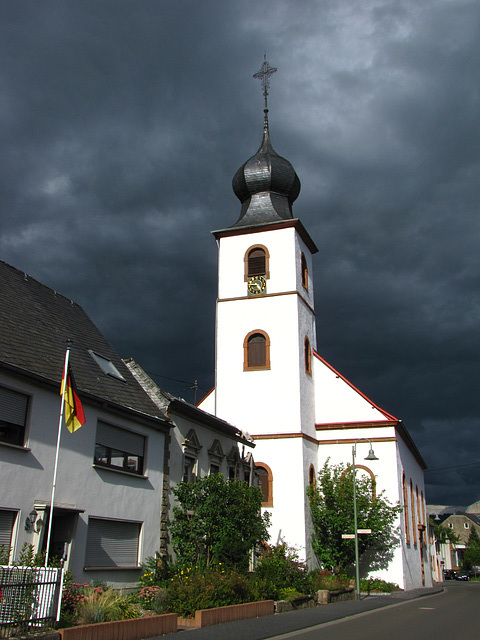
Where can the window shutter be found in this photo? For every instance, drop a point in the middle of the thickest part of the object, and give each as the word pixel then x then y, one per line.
pixel 7 520
pixel 112 543
pixel 256 262
pixel 13 407
pixel 115 438
pixel 257 351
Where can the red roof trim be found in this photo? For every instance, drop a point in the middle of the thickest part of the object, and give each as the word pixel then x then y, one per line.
pixel 355 425
pixel 387 415
pixel 205 397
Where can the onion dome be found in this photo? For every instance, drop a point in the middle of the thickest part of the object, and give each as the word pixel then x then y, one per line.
pixel 266 185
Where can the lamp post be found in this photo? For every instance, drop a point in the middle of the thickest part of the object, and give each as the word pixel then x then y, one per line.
pixel 371 456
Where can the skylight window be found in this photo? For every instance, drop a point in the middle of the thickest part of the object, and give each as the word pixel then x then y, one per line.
pixel 107 366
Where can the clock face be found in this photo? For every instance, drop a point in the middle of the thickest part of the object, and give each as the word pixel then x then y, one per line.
pixel 256 285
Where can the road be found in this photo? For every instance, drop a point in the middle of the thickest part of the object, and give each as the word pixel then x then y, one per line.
pixel 453 614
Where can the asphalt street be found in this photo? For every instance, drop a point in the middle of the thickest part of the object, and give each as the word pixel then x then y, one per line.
pixel 454 613
pixel 302 619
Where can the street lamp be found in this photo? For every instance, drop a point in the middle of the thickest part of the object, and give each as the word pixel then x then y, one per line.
pixel 371 456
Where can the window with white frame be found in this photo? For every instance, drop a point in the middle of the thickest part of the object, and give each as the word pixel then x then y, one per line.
pixel 112 543
pixel 120 449
pixel 189 469
pixel 13 416
pixel 216 456
pixel 7 523
pixel 191 449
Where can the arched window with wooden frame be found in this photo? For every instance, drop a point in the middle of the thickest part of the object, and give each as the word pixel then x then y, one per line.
pixel 256 351
pixel 308 356
pixel 405 509
pixel 304 268
pixel 265 478
pixel 369 472
pixel 311 476
pixel 257 261
pixel 412 503
pixel 419 511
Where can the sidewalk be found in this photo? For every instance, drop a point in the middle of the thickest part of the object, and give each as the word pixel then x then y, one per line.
pixel 270 626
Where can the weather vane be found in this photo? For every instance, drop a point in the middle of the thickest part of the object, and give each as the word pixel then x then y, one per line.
pixel 264 76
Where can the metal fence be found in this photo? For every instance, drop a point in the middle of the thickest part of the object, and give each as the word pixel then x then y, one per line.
pixel 30 598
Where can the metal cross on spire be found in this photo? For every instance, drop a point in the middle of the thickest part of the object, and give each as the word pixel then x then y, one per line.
pixel 264 76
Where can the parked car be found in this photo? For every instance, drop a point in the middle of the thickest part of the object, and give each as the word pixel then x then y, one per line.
pixel 463 575
pixel 449 574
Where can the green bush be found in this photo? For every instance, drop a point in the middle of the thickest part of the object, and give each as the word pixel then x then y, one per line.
pixel 151 599
pixel 4 554
pixel 375 584
pixel 288 594
pixel 192 590
pixel 155 571
pixel 280 568
pixel 326 580
pixel 217 520
pixel 98 605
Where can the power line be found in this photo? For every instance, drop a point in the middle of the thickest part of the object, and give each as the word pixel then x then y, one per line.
pixel 191 385
pixel 159 375
pixel 458 466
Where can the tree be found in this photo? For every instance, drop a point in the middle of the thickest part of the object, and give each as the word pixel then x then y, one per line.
pixel 331 507
pixel 217 521
pixel 471 555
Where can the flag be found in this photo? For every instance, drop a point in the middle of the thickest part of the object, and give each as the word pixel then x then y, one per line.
pixel 74 416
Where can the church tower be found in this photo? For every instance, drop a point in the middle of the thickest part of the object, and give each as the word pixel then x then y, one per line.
pixel 265 332
pixel 271 382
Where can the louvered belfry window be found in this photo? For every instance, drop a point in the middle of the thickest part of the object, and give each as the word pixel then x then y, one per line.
pixel 256 262
pixel 112 543
pixel 13 416
pixel 257 352
pixel 304 272
pixel 308 357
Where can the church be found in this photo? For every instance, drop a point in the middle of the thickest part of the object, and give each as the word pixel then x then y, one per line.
pixel 271 382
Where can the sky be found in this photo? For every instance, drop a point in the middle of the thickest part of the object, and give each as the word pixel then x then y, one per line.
pixel 123 123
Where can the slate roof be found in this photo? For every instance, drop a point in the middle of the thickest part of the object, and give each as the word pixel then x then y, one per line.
pixel 35 324
pixel 266 185
pixel 171 405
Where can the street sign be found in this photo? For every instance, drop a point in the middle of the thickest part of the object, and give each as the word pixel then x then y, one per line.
pixel 351 536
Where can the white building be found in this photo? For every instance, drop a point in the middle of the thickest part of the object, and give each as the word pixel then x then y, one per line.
pixel 271 382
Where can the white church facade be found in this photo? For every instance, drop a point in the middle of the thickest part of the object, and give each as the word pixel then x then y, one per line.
pixel 272 383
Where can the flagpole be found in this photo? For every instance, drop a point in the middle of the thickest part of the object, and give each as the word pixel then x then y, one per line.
pixel 62 405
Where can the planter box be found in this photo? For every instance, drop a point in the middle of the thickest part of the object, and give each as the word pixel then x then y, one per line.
pixel 135 629
pixel 209 617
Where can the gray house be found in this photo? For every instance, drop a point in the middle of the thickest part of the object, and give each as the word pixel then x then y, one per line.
pixel 112 495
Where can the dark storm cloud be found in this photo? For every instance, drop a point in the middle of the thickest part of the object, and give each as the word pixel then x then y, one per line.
pixel 124 122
